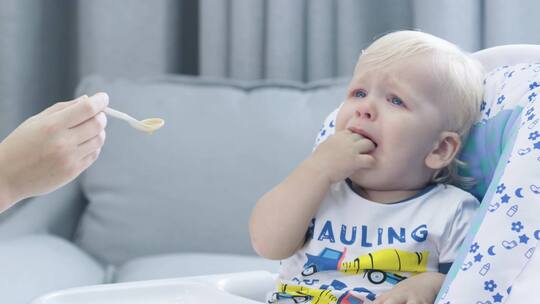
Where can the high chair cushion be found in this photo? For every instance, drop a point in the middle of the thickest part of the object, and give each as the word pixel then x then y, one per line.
pixel 508 91
pixel 505 232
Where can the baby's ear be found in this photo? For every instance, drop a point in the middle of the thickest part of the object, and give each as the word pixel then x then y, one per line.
pixel 444 151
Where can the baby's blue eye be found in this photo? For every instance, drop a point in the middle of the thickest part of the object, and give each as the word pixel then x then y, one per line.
pixel 359 94
pixel 396 101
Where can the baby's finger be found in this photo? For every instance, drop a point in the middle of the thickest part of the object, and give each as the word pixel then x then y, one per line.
pixel 364 145
pixel 364 161
pixel 395 300
pixel 346 133
pixel 381 298
pixel 355 136
pixel 391 298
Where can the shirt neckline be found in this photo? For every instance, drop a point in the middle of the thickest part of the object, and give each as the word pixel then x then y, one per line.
pixel 426 189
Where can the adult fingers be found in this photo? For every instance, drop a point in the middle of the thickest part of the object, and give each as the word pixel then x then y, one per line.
pixel 92 145
pixel 88 129
pixel 61 105
pixel 88 160
pixel 79 112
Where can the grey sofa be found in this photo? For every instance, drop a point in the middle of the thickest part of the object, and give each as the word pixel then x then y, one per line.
pixel 175 203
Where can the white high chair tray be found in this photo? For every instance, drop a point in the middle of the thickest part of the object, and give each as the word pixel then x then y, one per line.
pixel 238 288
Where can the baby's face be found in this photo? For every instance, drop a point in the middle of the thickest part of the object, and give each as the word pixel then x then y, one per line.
pixel 397 108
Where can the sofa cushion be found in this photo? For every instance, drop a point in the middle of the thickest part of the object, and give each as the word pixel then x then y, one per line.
pixel 190 264
pixel 37 264
pixel 190 186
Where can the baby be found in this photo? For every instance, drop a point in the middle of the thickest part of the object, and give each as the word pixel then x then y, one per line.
pixel 370 215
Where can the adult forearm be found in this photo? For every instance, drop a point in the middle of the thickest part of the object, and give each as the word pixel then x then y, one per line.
pixel 5 199
pixel 6 192
pixel 281 217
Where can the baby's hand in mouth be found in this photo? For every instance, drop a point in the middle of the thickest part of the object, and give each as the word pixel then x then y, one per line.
pixel 342 154
pixel 358 134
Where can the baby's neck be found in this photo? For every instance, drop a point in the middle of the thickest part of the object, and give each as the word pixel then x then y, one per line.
pixel 384 196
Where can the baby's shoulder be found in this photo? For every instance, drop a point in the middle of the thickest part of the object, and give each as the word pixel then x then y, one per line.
pixel 452 195
pixel 454 191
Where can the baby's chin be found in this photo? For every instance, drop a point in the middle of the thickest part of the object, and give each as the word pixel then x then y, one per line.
pixel 359 178
pixel 365 179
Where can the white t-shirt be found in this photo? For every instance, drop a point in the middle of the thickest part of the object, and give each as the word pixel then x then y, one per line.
pixel 356 248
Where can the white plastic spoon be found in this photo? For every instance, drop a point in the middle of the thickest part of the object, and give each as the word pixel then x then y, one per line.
pixel 147 125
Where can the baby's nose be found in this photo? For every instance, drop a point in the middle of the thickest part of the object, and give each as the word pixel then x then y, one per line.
pixel 365 111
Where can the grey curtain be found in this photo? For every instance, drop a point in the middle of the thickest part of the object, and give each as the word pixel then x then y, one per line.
pixel 307 40
pixel 46 46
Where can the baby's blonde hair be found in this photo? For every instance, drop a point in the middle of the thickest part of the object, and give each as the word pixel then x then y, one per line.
pixel 460 76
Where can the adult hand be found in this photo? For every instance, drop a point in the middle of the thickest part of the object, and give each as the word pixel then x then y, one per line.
pixel 342 154
pixel 51 148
